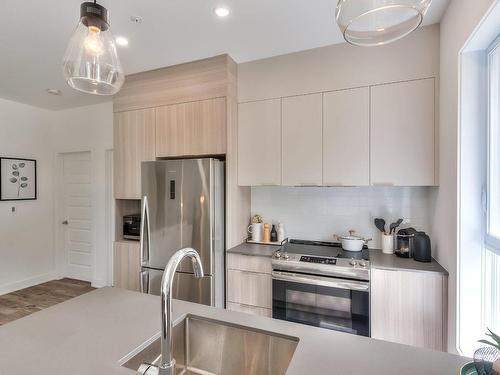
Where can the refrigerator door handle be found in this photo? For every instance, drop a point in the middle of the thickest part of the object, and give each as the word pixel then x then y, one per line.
pixel 145 227
pixel 144 281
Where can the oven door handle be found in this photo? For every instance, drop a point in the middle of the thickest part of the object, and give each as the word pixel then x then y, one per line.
pixel 321 281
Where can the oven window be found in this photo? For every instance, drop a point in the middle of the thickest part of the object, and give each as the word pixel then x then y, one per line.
pixel 325 307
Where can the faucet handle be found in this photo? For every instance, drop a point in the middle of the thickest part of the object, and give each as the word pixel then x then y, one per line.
pixel 148 369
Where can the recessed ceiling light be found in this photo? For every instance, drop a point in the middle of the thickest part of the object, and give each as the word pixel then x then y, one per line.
pixel 53 91
pixel 221 11
pixel 122 41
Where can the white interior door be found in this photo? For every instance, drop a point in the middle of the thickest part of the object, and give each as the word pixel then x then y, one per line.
pixel 77 219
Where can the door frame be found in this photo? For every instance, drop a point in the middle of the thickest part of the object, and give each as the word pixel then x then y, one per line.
pixel 59 239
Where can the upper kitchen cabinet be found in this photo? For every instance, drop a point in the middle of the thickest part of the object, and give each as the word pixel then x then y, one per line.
pixel 346 137
pixel 191 129
pixel 134 142
pixel 259 143
pixel 302 140
pixel 403 133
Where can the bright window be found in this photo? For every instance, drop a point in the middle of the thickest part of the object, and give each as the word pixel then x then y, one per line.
pixel 491 252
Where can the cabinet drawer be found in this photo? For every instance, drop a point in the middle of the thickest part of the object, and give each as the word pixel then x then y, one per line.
pixel 249 288
pixel 249 263
pixel 252 310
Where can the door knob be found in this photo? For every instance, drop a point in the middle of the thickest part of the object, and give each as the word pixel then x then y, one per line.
pixel 65 222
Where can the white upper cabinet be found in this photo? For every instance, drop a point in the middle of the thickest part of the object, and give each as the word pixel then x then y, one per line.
pixel 302 140
pixel 403 133
pixel 259 143
pixel 346 137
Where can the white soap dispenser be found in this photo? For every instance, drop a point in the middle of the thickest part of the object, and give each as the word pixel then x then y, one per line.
pixel 281 232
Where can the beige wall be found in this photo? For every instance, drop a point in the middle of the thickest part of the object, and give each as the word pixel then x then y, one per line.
pixel 340 66
pixel 457 25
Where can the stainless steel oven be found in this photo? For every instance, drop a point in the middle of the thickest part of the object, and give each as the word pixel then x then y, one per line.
pixel 323 291
pixel 326 302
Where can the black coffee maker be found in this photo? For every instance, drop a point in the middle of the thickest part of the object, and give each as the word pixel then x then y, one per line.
pixel 422 247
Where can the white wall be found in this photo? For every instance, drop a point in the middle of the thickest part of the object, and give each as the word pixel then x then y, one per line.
pixel 89 129
pixel 27 236
pixel 28 239
pixel 457 25
pixel 319 213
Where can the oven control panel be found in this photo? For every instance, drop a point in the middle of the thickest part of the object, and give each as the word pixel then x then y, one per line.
pixel 318 260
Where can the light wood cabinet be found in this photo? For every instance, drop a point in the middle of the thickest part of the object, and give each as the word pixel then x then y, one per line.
pixel 409 307
pixel 191 129
pixel 126 265
pixel 259 143
pixel 134 142
pixel 403 133
pixel 249 284
pixel 252 310
pixel 346 137
pixel 302 140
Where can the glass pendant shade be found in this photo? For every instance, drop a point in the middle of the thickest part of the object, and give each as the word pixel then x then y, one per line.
pixel 377 22
pixel 91 62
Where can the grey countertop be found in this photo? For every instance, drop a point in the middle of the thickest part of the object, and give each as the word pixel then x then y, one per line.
pixel 90 334
pixel 389 261
pixel 254 249
pixel 377 259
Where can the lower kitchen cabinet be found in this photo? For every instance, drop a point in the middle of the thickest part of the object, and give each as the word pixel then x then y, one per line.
pixel 253 310
pixel 409 307
pixel 126 265
pixel 249 284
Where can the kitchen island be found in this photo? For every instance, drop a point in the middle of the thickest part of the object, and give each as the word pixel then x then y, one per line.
pixel 96 332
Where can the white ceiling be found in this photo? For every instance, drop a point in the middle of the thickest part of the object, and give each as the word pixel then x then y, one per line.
pixel 34 33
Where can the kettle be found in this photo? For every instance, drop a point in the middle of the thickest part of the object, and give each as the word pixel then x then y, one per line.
pixel 422 247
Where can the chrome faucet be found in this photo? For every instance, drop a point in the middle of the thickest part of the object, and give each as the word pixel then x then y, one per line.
pixel 167 362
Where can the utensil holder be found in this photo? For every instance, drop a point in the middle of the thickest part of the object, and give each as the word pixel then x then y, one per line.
pixel 387 243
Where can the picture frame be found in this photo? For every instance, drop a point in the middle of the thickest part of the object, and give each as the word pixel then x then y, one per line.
pixel 18 179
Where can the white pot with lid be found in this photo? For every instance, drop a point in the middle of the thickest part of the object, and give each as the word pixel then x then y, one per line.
pixel 352 242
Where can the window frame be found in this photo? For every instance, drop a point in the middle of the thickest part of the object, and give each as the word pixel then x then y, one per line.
pixel 491 242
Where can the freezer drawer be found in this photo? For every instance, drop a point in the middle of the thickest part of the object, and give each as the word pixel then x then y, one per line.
pixel 186 286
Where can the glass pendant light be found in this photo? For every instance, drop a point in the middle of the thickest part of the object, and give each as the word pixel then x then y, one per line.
pixel 91 63
pixel 377 22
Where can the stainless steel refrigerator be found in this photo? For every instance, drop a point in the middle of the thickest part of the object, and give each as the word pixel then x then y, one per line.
pixel 183 206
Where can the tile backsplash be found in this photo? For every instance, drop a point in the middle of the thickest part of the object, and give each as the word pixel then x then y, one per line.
pixel 319 213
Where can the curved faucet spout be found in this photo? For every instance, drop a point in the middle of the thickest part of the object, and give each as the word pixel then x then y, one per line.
pixel 167 363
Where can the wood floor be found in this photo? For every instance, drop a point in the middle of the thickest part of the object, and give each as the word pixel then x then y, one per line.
pixel 24 302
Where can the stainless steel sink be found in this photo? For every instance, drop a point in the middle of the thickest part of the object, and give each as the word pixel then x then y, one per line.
pixel 210 347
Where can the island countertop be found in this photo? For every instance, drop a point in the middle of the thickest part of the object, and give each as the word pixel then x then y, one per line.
pixel 90 334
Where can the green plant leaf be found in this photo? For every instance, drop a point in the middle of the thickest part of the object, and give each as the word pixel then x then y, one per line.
pixel 493 336
pixel 490 344
pixel 15 173
pixel 24 184
pixel 24 178
pixel 13 180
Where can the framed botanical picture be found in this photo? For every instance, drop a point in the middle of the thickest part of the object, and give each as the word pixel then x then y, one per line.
pixel 17 179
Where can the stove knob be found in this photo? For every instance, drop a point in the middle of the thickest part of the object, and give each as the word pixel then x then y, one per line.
pixel 362 264
pixel 285 256
pixel 277 255
pixel 353 263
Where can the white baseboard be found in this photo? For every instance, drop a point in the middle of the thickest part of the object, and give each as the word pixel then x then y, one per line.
pixel 12 287
pixel 97 283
